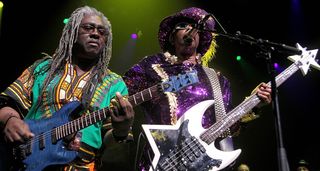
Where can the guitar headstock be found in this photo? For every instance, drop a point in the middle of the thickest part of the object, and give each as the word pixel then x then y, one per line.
pixel 176 83
pixel 306 59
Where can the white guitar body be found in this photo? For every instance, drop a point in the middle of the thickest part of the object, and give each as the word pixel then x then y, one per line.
pixel 194 127
pixel 188 146
pixel 194 115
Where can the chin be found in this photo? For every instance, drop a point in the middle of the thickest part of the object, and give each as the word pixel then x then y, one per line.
pixel 188 51
pixel 93 51
pixel 91 55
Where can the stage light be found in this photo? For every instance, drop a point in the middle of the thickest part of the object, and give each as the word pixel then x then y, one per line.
pixel 1 4
pixel 276 65
pixel 238 58
pixel 134 36
pixel 65 21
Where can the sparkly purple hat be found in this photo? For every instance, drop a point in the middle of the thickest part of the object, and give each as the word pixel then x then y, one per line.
pixel 192 14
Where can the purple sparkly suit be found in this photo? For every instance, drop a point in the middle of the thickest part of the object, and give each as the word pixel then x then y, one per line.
pixel 152 69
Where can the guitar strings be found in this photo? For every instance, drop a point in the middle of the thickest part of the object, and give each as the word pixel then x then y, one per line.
pixel 179 154
pixel 65 129
pixel 184 151
pixel 253 97
pixel 71 127
pixel 189 78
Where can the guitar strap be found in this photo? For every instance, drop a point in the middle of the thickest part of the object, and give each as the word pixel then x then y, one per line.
pixel 86 153
pixel 87 95
pixel 226 144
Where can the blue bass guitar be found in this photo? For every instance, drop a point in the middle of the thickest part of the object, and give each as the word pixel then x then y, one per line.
pixel 47 146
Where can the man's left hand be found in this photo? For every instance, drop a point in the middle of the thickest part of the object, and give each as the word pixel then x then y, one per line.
pixel 122 115
pixel 263 91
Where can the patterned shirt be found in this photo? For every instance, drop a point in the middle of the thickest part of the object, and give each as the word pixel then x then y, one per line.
pixel 65 87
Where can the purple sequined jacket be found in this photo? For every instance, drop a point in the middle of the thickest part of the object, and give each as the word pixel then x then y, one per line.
pixel 152 70
pixel 166 108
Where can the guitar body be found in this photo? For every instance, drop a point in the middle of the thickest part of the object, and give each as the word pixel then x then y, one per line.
pixel 45 151
pixel 179 147
pixel 47 147
pixel 188 146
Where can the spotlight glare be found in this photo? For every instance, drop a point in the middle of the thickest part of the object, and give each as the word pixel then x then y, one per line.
pixel 134 36
pixel 238 58
pixel 66 20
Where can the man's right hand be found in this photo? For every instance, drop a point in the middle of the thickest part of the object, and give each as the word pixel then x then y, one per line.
pixel 15 129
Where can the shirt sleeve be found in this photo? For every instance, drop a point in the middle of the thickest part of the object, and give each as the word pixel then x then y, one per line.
pixel 20 90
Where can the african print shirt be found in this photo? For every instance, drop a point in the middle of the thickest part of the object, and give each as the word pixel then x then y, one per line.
pixel 65 87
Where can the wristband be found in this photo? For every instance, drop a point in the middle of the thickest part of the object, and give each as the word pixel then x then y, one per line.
pixel 11 116
pixel 119 139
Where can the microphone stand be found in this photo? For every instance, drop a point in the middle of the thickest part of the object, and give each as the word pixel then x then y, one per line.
pixel 266 47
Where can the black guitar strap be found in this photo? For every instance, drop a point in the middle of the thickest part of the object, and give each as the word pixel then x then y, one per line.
pixel 226 144
pixel 87 95
pixel 85 153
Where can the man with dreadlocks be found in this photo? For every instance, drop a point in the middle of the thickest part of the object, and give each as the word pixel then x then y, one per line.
pixel 77 71
pixel 184 49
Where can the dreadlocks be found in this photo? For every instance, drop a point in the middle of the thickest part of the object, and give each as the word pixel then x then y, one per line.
pixel 63 53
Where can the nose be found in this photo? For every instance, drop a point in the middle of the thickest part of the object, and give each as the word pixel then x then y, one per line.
pixel 95 33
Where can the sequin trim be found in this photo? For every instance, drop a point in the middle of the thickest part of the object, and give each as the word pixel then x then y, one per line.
pixel 172 99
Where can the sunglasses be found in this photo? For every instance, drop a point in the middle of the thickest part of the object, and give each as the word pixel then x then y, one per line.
pixel 90 28
pixel 184 25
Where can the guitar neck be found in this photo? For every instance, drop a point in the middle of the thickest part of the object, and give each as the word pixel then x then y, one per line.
pixel 173 84
pixel 79 123
pixel 99 115
pixel 145 95
pixel 217 129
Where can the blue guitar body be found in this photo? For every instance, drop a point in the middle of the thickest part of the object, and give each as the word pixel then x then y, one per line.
pixel 44 150
pixel 47 147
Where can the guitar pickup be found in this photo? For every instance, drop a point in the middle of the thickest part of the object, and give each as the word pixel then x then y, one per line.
pixel 54 135
pixel 28 148
pixel 41 141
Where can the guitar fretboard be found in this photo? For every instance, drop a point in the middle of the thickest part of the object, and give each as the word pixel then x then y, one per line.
pixel 144 95
pixel 79 123
pixel 217 129
pixel 99 115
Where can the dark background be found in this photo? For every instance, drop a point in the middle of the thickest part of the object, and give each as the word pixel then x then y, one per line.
pixel 29 28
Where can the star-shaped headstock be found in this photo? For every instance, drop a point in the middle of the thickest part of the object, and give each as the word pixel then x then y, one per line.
pixel 306 59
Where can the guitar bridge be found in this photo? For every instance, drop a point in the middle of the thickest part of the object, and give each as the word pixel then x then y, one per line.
pixel 187 155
